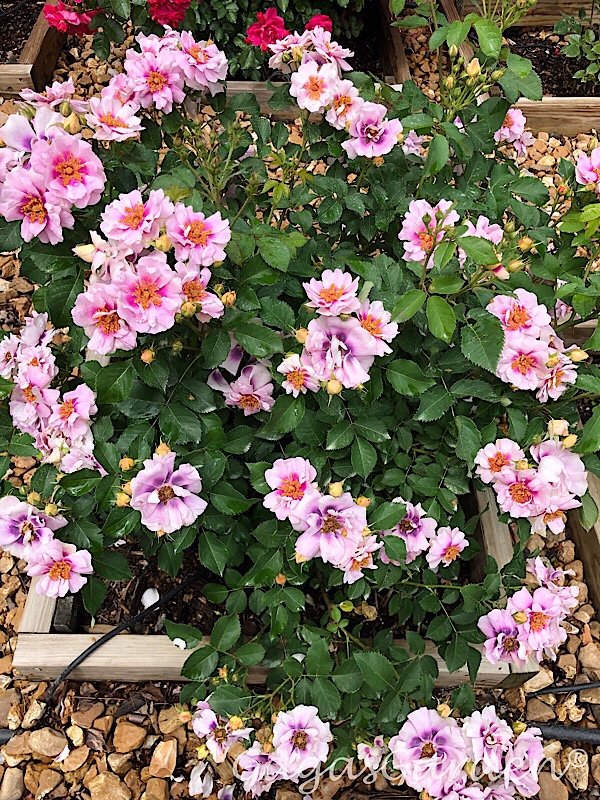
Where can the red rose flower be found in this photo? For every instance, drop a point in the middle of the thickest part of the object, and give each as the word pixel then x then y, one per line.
pixel 268 28
pixel 319 21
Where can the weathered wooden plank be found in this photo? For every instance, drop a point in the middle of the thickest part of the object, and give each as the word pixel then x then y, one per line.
pixel 579 334
pixel 565 116
pixel 543 15
pixel 14 78
pixel 393 45
pixel 450 10
pixel 38 613
pixel 42 50
pixel 588 543
pixel 43 656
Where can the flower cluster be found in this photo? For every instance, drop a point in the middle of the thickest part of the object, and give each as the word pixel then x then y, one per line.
pixel 587 170
pixel 512 131
pixel 533 356
pixel 68 18
pixel 334 526
pixel 530 625
pixel 317 63
pixel 480 759
pixel 169 13
pixel 541 488
pixel 60 426
pixel 28 533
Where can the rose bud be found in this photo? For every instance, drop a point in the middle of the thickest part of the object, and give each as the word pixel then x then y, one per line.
pixel 162 449
pixel 123 499
pixel 301 335
pixel 569 441
pixel 334 386
pixel 126 463
pixel 148 356
pixel 558 427
pixel 336 489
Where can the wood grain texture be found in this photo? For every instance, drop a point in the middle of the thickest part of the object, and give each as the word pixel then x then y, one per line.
pixel 42 50
pixel 543 15
pixel 394 56
pixel 38 612
pixel 588 543
pixel 450 10
pixel 579 334
pixel 14 78
pixel 565 116
pixel 132 658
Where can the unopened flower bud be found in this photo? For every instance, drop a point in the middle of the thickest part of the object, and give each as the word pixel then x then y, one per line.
pixel 223 672
pixel 497 74
pixel 301 335
pixel 592 144
pixel 519 727
pixel 520 617
pixel 558 427
pixel 280 579
pixel 176 347
pixel 126 487
pixel 123 499
pixel 202 752
pixel 300 559
pixel 126 463
pixel 362 501
pixel 163 243
pixel 2 143
pixel 161 533
pixel 51 509
pixel 510 226
pixel 444 710
pixel 188 309
pixel 235 723
pixel 525 243
pixel 453 51
pixel 553 361
pixel 185 716
pixel 562 189
pixel 148 356
pixel 336 489
pixel 65 108
pixel 162 449
pixel 72 123
pixel 569 441
pixel 449 82
pixel 522 464
pixel 577 354
pixel 33 498
pixel 228 299
pixel 378 161
pixel 473 68
pixel 85 252
pixel 334 386
pixel 516 265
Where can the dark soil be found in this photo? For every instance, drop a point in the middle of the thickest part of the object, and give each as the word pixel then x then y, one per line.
pixel 16 23
pixel 543 49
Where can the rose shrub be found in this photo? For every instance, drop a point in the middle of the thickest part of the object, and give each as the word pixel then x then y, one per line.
pixel 304 347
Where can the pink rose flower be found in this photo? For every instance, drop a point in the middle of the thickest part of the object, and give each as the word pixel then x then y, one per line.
pixel 361 559
pixel 167 498
pixel 73 415
pixel 543 611
pixel 522 763
pixel 252 391
pixel 522 314
pixel 326 51
pixel 488 738
pixel 23 527
pixel 193 288
pixel 24 196
pixel 587 169
pixel 268 28
pixel 202 64
pixel 301 741
pixel 334 293
pixel 346 104
pixel 376 320
pixel 557 379
pixel 415 528
pixel 496 458
pixel 419 228
pixel 340 349
pixel 522 362
pixel 30 406
pixel 156 79
pixel 198 239
pixel 300 376
pixel 560 467
pixel 61 566
pixel 96 312
pixel 132 221
pixel 502 643
pixel 149 298
pixel 168 12
pixel 332 528
pixel 313 85
pixel 371 133
pixel 112 120
pixel 513 131
pixel 35 366
pixel 522 493
pixel 218 734
pixel 445 547
pixel 73 172
pixel 259 770
pixel 292 482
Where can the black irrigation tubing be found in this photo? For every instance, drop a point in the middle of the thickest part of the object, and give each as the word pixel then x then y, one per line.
pixel 574 687
pixel 6 735
pixel 566 733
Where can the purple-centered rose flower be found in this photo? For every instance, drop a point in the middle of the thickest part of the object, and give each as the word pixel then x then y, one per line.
pixel 61 567
pixel 301 741
pixel 538 617
pixel 371 133
pixel 430 751
pixel 292 482
pixel 259 771
pixel 252 391
pixel 503 643
pixel 218 734
pixel 445 547
pixel 522 763
pixel 23 527
pixel 415 528
pixel 340 349
pixel 167 498
pixel 332 294
pixel 488 739
pixel 333 528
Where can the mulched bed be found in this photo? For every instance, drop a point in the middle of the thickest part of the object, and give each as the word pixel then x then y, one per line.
pixel 543 49
pixel 16 23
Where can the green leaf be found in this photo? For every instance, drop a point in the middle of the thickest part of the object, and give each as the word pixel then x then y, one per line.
pixel 348 676
pixel 230 700
pixel 84 535
pixel 326 697
pixel 340 436
pixel 213 553
pixel 377 671
pixel 318 660
pixel 257 340
pixel 120 522
pixel 6 387
pixel 250 654
pixel 363 457
pixel 395 548
pixel 469 439
pixel 440 316
pixel 438 154
pixel 457 652
pixel 286 414
pixel 386 516
pixel 588 513
pixel 228 500
pixel 434 404
pixel 216 347
pixel 408 305
pixel 81 482
pixel 439 629
pixel 407 378
pixel 122 8
pixel 201 664
pixel 275 252
pixel 190 635
pixel 93 595
pixel 478 249
pixel 490 37
pixel 61 295
pixel 113 382
pixel 225 633
pixel 375 430
pixel 276 313
pixel 179 424
pixel 112 566
pixel 483 340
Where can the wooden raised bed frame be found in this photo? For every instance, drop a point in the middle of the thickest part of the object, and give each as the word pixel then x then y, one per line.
pixel 36 62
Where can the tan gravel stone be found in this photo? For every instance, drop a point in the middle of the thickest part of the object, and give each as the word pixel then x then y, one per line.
pixel 169 720
pixel 76 735
pixel 578 769
pixel 119 762
pixel 596 768
pixel 552 789
pixel 156 789
pixel 8 699
pixel 540 681
pixel 47 742
pixel 164 759
pixel 538 711
pixel 12 787
pixel 568 663
pixel 108 786
pixel 75 759
pixel 85 715
pixel 48 781
pixel 128 737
